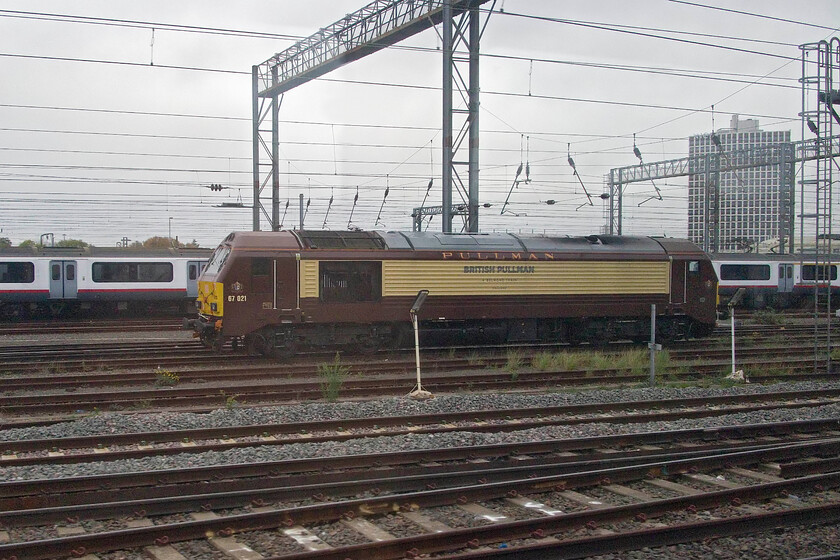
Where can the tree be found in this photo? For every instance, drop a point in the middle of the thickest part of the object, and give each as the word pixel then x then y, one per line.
pixel 29 243
pixel 5 242
pixel 72 243
pixel 158 242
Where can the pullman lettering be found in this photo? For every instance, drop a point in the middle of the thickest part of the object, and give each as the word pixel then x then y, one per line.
pixel 480 256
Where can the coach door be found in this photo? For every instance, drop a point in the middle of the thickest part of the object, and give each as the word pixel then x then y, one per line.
pixel 785 278
pixel 193 272
pixel 63 280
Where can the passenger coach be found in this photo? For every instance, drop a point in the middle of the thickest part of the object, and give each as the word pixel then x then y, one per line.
pixel 64 281
pixel 774 281
pixel 283 291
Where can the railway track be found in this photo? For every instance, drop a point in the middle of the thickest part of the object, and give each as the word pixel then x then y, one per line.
pixel 567 480
pixel 30 401
pixel 125 446
pixel 44 384
pixel 594 495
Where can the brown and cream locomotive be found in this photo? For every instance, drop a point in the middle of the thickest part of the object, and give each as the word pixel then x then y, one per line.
pixel 280 292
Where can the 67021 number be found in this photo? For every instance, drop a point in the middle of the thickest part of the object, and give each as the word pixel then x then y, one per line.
pixel 237 298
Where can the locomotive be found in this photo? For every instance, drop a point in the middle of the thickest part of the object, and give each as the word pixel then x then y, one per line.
pixel 281 292
pixel 72 282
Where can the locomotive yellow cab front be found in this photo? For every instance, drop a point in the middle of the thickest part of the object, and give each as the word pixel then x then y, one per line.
pixel 211 297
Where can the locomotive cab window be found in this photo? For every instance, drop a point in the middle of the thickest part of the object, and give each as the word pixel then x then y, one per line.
pixel 694 267
pixel 350 281
pixel 17 272
pixel 217 260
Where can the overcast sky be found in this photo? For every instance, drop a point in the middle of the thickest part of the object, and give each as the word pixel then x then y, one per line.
pixel 109 129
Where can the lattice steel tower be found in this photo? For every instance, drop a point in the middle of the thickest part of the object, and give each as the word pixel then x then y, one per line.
pixel 820 121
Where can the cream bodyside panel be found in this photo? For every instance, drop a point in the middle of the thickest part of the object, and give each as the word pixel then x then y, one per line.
pixel 441 278
pixel 309 279
pixel 406 278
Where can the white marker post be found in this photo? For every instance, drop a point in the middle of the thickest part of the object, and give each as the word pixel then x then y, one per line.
pixel 736 299
pixel 654 347
pixel 418 392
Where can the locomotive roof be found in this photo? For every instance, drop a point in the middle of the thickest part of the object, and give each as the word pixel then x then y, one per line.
pixel 430 241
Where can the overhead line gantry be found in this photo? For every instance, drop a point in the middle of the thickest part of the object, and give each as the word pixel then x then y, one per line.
pixel 378 25
pixel 711 165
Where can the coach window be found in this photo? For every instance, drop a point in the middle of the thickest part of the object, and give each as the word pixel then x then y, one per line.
pixel 132 272
pixel 350 282
pixel 17 272
pixel 71 272
pixel 56 272
pixel 745 272
pixel 809 270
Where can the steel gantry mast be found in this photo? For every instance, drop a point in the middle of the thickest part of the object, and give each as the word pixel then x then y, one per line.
pixel 378 25
pixel 786 155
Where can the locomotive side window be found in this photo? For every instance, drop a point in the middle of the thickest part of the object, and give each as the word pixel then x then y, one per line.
pixel 694 267
pixel 809 272
pixel 350 281
pixel 17 272
pixel 745 272
pixel 260 267
pixel 132 272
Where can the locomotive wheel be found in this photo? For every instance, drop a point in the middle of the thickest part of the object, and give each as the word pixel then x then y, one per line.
pixel 669 330
pixel 254 345
pixel 281 345
pixel 368 344
pixel 286 350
